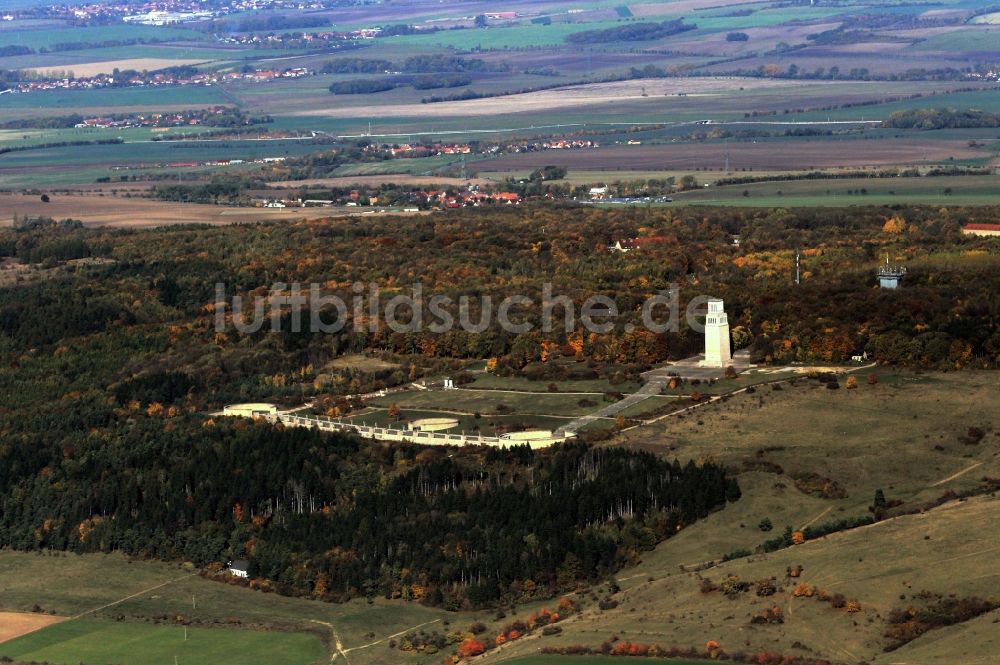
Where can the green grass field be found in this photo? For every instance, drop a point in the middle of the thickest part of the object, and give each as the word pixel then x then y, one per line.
pixel 46 38
pixel 979 39
pixel 102 641
pixel 415 166
pixel 518 36
pixel 80 101
pixel 763 18
pixel 68 585
pixel 486 401
pixel 943 190
pixel 985 100
pixel 902 435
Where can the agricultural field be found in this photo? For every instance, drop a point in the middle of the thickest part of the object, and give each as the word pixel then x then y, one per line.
pixel 137 644
pixel 111 100
pixel 47 36
pixel 135 212
pixel 753 156
pixel 225 624
pixel 109 66
pixel 16 624
pixel 942 191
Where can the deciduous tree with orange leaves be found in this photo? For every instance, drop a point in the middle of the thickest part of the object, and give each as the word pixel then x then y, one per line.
pixel 470 647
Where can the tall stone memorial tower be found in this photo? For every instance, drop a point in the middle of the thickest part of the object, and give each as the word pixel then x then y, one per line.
pixel 717 351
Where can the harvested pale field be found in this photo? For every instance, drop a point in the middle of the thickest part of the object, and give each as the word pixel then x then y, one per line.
pixel 138 64
pixel 373 180
pixel 923 33
pixel 815 57
pixel 871 48
pixel 990 19
pixel 142 213
pixel 764 38
pixel 15 624
pixel 945 14
pixel 590 96
pixel 762 156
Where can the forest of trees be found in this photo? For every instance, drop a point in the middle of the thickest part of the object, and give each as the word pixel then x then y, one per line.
pixel 631 32
pixel 942 118
pixel 334 517
pixel 264 22
pixel 361 86
pixel 440 81
pixel 355 66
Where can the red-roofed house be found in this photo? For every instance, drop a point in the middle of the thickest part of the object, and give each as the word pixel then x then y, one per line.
pixel 507 198
pixel 981 229
pixel 629 244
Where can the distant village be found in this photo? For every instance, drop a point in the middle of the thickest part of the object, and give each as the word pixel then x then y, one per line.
pixel 283 38
pixel 161 12
pixel 413 200
pixel 216 116
pixel 412 150
pixel 182 76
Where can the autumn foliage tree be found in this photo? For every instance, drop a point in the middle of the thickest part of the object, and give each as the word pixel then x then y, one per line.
pixel 471 647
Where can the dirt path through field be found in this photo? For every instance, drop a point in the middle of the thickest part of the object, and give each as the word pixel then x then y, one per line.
pixel 957 474
pixel 134 595
pixel 394 635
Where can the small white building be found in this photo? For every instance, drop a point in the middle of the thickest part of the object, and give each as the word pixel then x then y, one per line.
pixel 981 230
pixel 239 568
pixel 253 410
